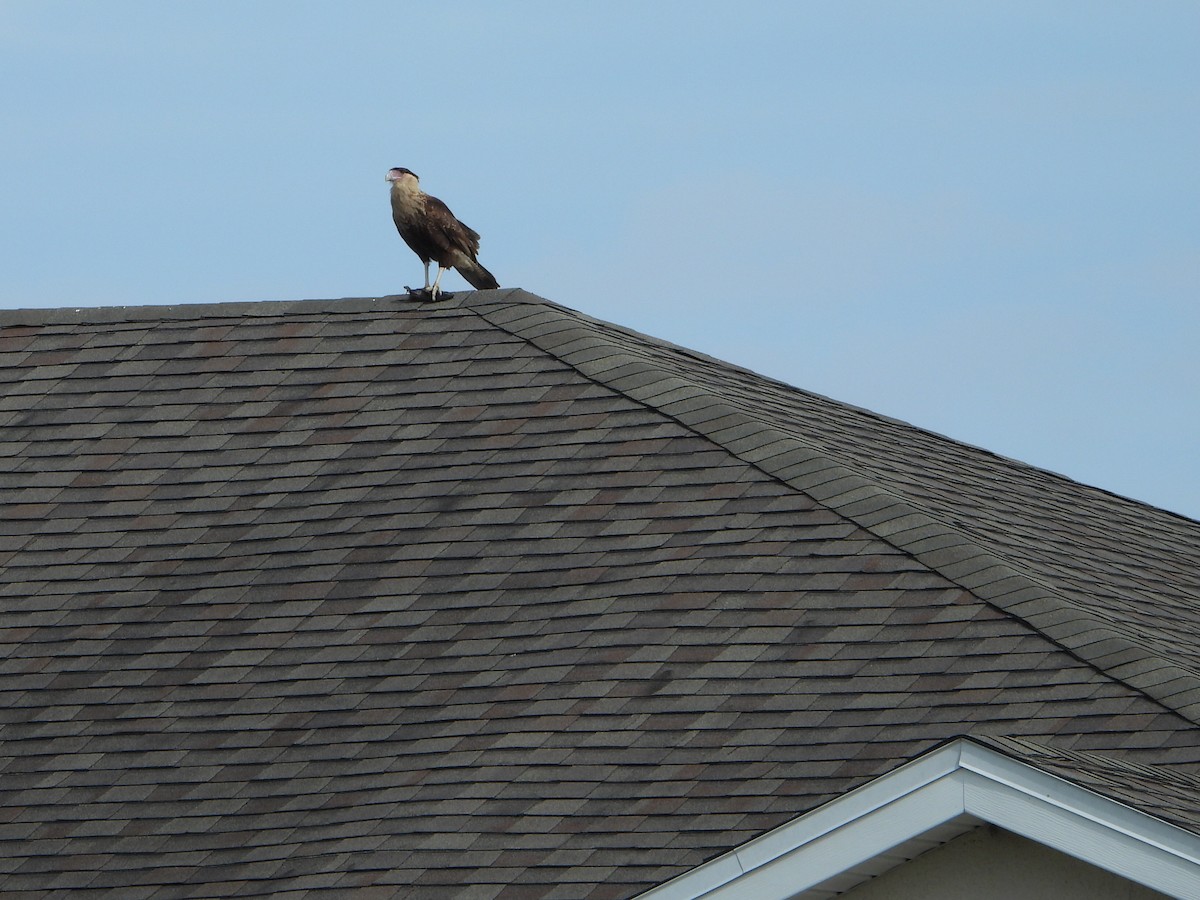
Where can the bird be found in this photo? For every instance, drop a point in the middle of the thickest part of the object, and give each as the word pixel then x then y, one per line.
pixel 434 234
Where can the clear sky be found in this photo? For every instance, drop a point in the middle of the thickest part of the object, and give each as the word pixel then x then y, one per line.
pixel 982 218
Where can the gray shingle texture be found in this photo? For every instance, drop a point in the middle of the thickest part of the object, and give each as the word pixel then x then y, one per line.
pixel 489 599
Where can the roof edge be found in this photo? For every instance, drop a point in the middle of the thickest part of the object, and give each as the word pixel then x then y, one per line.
pixel 1105 645
pixel 932 799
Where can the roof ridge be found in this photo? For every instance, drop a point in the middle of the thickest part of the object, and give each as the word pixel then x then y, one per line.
pixel 700 356
pixel 61 315
pixel 1098 641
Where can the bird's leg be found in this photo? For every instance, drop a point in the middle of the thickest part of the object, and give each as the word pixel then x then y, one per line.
pixel 425 291
pixel 436 290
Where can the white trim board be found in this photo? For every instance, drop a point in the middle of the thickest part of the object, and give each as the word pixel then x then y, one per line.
pixel 928 801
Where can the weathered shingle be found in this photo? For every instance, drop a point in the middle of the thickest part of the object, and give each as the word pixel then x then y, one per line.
pixel 487 598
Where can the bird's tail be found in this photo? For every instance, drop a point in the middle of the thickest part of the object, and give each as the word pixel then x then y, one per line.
pixel 478 277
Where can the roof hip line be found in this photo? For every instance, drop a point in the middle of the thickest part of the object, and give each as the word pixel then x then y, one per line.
pixel 1085 634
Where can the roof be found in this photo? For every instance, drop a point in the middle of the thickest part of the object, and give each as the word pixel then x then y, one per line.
pixel 313 596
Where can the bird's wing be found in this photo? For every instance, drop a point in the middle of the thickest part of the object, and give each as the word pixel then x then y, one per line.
pixel 446 231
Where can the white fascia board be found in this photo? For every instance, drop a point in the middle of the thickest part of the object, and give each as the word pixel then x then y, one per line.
pixel 1081 823
pixel 953 788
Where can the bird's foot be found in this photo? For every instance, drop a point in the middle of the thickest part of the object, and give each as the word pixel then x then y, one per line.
pixel 425 294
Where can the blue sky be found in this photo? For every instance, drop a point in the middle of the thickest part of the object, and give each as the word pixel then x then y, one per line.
pixel 982 218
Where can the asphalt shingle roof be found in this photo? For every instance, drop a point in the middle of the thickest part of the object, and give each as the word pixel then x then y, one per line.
pixel 487 598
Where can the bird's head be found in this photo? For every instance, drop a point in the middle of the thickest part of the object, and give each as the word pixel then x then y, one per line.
pixel 402 178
